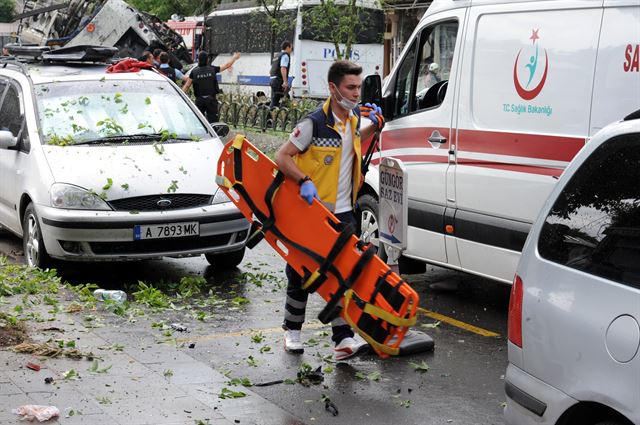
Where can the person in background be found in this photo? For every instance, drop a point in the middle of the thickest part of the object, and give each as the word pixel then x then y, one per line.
pixel 205 84
pixel 146 57
pixel 156 57
pixel 171 73
pixel 279 74
pixel 323 156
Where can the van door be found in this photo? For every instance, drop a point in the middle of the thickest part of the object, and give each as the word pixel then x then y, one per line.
pixel 419 105
pixel 12 119
pixel 525 98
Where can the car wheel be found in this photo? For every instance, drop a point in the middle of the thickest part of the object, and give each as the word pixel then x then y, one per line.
pixel 367 205
pixel 35 253
pixel 225 260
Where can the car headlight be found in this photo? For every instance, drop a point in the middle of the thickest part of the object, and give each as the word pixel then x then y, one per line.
pixel 220 197
pixel 75 198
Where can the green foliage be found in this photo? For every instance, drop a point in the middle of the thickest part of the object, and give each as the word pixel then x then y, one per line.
pixel 341 21
pixel 163 9
pixel 6 10
pixel 19 279
pixel 150 296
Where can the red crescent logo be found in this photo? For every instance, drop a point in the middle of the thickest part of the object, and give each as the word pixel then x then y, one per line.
pixel 530 94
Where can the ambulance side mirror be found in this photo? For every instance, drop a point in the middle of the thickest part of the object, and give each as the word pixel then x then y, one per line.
pixel 371 91
pixel 221 129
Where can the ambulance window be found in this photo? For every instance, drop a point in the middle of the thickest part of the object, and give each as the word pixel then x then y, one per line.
pixel 437 45
pixel 403 83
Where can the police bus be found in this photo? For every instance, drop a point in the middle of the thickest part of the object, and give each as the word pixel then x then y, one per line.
pixel 246 30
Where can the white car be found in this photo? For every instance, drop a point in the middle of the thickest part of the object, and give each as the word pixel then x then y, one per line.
pixel 574 311
pixel 98 166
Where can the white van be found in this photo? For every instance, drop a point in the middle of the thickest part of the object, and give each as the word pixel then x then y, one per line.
pixel 518 89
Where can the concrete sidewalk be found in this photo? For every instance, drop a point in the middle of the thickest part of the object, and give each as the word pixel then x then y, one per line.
pixel 147 381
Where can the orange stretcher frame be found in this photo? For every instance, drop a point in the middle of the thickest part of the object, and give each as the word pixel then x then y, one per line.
pixel 356 284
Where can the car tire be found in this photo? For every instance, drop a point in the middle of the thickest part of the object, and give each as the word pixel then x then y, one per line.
pixel 35 253
pixel 225 260
pixel 367 207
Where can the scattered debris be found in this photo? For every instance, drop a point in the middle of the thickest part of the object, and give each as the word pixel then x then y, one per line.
pixel 329 406
pixel 227 393
pixel 192 345
pixel 34 411
pixel 48 350
pixel 268 384
pixel 308 376
pixel 33 366
pixel 421 367
pixel 53 329
pixel 178 327
pixel 48 380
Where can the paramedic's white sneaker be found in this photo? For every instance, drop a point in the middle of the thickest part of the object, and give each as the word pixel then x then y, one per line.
pixel 292 342
pixel 349 347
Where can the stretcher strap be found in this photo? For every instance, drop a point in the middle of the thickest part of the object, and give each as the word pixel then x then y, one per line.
pixel 332 309
pixel 279 178
pixel 380 347
pixel 390 292
pixel 376 311
pixel 313 282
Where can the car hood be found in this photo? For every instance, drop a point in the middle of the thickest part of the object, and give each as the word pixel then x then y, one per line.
pixel 137 169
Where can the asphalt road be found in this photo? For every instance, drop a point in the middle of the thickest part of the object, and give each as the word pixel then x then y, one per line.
pixel 463 384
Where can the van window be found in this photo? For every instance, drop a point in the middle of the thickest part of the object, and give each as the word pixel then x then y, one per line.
pixel 10 114
pixel 423 75
pixel 594 225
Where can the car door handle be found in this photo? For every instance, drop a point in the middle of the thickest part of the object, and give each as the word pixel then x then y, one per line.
pixel 436 137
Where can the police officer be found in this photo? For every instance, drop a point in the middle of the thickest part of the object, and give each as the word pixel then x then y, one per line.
pixel 205 84
pixel 279 74
pixel 172 73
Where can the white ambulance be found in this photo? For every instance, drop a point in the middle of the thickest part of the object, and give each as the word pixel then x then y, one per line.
pixel 487 104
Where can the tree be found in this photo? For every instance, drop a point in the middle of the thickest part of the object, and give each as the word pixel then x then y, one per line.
pixel 277 25
pixel 338 22
pixel 163 9
pixel 6 10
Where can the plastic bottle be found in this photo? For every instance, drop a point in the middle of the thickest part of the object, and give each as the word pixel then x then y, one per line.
pixel 115 295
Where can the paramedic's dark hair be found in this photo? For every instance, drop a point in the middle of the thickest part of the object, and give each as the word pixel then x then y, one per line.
pixel 156 53
pixel 285 44
pixel 164 57
pixel 341 68
pixel 203 58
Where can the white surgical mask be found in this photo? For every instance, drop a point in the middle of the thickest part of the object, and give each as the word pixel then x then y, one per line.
pixel 344 102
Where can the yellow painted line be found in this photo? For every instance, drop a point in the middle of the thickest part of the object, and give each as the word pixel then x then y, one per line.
pixel 457 323
pixel 318 325
pixel 245 332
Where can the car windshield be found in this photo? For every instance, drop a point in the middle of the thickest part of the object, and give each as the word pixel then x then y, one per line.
pixel 113 110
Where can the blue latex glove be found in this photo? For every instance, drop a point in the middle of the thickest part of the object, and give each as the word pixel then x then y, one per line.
pixel 375 115
pixel 308 191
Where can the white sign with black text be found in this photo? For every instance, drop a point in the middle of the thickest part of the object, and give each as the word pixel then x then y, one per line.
pixel 393 208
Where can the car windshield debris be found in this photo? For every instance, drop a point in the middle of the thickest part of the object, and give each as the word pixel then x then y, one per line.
pixel 114 111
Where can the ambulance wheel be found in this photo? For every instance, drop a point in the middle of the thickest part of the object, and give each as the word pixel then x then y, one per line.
pixel 225 260
pixel 367 206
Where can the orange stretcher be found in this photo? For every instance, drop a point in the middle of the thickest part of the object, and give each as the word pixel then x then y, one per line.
pixel 354 281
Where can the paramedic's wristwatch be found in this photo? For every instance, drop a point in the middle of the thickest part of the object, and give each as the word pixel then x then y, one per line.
pixel 304 179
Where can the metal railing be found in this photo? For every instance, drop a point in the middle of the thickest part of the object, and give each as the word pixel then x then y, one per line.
pixel 254 112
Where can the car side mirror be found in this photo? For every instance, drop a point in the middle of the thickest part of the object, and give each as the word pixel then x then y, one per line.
pixel 371 91
pixel 221 129
pixel 7 139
